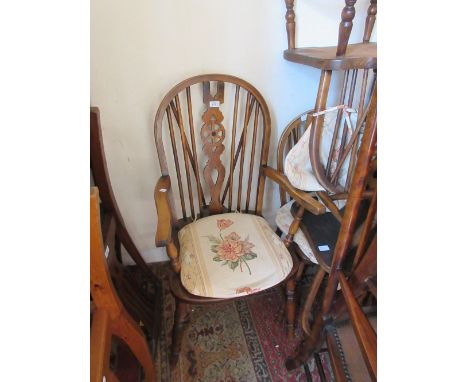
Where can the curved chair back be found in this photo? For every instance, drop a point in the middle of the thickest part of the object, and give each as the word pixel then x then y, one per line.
pixel 212 135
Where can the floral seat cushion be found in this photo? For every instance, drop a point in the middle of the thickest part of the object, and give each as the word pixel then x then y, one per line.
pixel 230 255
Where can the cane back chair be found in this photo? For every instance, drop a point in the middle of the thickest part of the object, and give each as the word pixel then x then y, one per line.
pixel 218 244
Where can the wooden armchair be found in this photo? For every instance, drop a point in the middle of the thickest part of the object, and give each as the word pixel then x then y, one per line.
pixel 110 318
pixel 210 223
pixel 352 267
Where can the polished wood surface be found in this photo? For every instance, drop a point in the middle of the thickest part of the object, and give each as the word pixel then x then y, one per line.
pixel 110 316
pixel 254 121
pixel 142 306
pixel 365 334
pixel 346 25
pixel 102 181
pixel 343 56
pixel 227 182
pixel 357 56
pixel 335 302
pixel 290 24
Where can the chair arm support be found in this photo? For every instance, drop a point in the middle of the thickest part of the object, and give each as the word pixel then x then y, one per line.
pixel 301 197
pixel 164 211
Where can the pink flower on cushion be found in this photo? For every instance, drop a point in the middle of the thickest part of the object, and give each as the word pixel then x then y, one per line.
pixel 232 236
pixel 230 250
pixel 247 290
pixel 224 223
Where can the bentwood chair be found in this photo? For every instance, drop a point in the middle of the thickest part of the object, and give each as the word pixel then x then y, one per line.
pixel 212 136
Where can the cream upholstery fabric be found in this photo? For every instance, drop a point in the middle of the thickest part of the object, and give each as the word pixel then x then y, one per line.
pixel 230 255
pixel 297 166
pixel 283 220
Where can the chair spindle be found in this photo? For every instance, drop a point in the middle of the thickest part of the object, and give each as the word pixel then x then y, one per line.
pixel 176 162
pixel 337 123
pixel 186 150
pixel 370 20
pixel 346 25
pixel 252 156
pixel 243 142
pixel 290 24
pixel 233 145
pixel 201 196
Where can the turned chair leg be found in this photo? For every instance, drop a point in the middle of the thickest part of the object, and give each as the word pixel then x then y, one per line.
pixel 291 305
pixel 181 319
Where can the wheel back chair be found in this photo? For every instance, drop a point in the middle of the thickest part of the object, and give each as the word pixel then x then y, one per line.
pixel 318 150
pixel 352 279
pixel 212 136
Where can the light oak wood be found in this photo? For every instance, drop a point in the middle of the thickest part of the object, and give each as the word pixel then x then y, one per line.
pixel 110 315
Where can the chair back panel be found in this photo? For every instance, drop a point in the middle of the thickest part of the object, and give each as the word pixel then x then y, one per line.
pixel 212 135
pixel 333 148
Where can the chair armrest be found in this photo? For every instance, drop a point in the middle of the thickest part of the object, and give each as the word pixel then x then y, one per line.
pixel 164 211
pixel 301 197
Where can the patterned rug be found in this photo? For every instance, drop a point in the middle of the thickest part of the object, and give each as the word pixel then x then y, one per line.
pixel 243 340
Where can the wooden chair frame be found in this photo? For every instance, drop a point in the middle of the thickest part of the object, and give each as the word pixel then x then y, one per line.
pixel 332 305
pixel 140 305
pixel 168 223
pixel 109 316
pixel 346 58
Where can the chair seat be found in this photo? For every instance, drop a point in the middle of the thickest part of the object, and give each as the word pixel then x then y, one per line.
pixel 230 255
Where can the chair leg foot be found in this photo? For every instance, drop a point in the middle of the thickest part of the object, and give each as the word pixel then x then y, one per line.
pixel 291 306
pixel 181 319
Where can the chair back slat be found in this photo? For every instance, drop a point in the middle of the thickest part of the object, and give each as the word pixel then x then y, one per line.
pixel 233 145
pixel 212 135
pixel 252 157
pixel 187 152
pixel 243 143
pixel 201 196
pixel 176 161
pixel 210 170
pixel 337 123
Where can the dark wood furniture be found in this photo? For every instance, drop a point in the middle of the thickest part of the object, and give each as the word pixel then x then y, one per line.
pixel 352 267
pixel 143 306
pixel 239 181
pixel 355 68
pixel 109 316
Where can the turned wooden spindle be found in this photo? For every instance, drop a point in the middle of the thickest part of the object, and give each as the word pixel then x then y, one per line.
pixel 290 24
pixel 370 20
pixel 346 25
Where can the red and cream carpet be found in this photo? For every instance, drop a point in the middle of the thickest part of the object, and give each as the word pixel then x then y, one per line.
pixel 243 340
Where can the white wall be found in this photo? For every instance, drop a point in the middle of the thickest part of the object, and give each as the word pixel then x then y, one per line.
pixel 140 49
